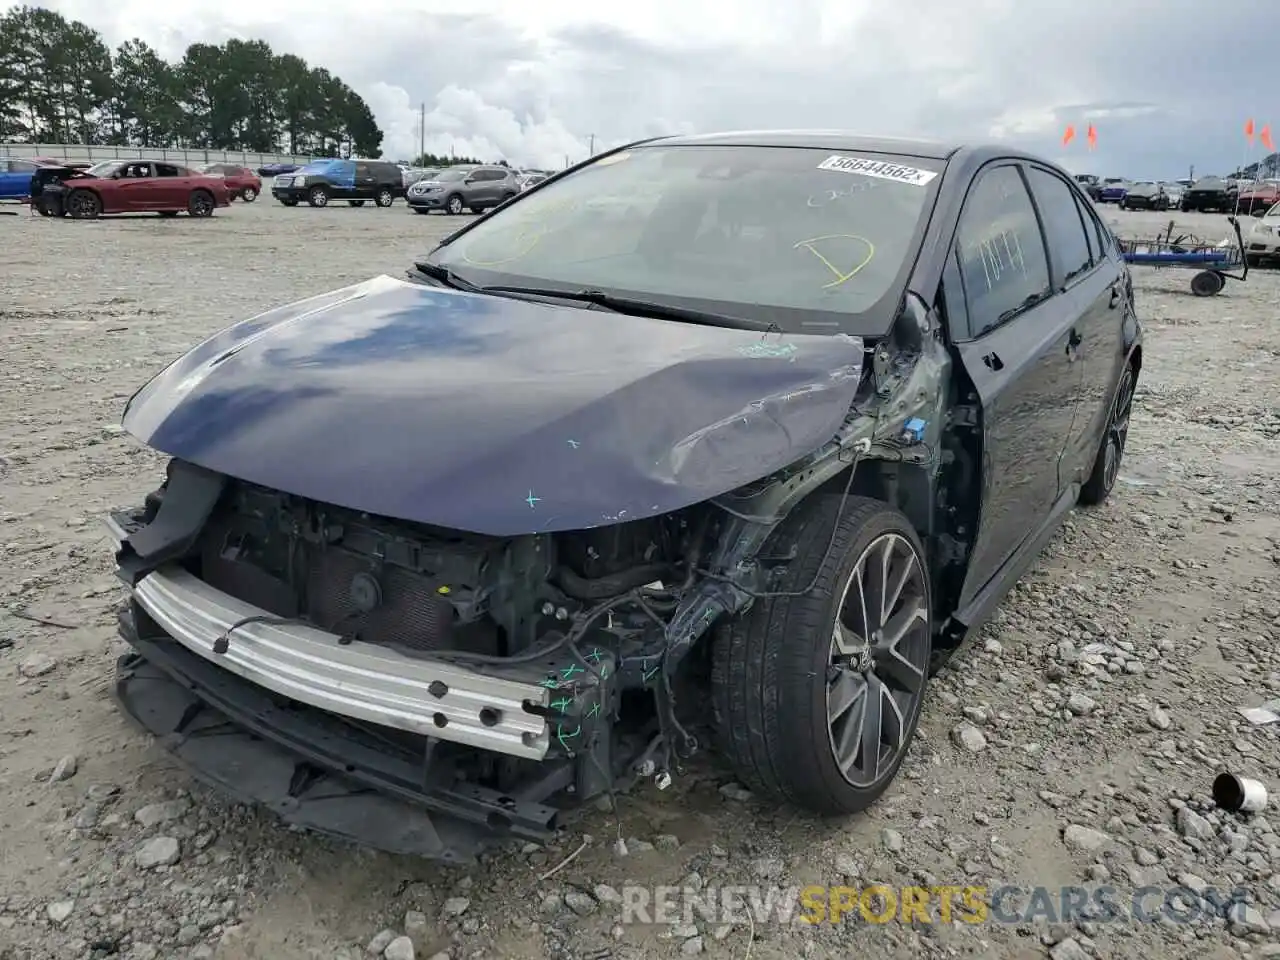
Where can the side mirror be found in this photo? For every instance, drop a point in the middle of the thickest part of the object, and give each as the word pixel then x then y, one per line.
pixel 469 180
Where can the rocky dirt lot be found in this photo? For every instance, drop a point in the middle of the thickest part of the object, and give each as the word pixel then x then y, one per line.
pixel 1072 743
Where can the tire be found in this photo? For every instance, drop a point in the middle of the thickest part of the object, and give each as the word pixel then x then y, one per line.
pixel 1206 283
pixel 385 198
pixel 318 197
pixel 772 669
pixel 248 194
pixel 1106 464
pixel 1124 205
pixel 356 203
pixel 453 206
pixel 201 203
pixel 83 205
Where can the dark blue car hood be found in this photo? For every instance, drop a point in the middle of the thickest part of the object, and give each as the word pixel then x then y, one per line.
pixel 494 415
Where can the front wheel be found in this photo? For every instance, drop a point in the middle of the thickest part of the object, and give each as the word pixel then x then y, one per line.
pixel 817 692
pixel 318 197
pixel 200 203
pixel 248 194
pixel 454 205
pixel 84 205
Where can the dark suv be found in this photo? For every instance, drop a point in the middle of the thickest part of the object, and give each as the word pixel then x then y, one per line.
pixel 474 188
pixel 1208 195
pixel 352 180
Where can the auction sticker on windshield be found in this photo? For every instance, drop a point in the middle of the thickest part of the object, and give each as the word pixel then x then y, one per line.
pixel 879 169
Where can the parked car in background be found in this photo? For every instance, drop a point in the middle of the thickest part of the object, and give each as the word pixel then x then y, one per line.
pixel 1174 190
pixel 1208 195
pixel 1113 190
pixel 15 177
pixel 411 175
pixel 354 181
pixel 133 186
pixel 1259 198
pixel 532 180
pixel 241 181
pixel 1145 195
pixel 276 169
pixel 1091 185
pixel 464 187
pixel 1263 240
pixel 477 545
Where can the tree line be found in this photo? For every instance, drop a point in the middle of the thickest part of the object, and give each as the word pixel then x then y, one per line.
pixel 61 83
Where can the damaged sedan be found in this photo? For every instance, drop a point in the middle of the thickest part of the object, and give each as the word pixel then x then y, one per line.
pixel 718 442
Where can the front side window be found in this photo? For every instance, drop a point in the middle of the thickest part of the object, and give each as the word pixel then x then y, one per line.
pixel 814 240
pixel 1002 253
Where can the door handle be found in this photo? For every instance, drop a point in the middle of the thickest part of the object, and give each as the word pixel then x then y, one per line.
pixel 1115 295
pixel 993 361
pixel 1074 339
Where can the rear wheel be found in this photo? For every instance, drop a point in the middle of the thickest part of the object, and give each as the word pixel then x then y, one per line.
pixel 1106 466
pixel 385 197
pixel 1206 283
pixel 200 203
pixel 318 197
pixel 817 695
pixel 84 205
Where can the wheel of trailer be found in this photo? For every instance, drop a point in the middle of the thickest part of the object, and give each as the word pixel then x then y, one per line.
pixel 356 203
pixel 83 205
pixel 454 205
pixel 1207 282
pixel 384 198
pixel 318 197
pixel 248 194
pixel 816 693
pixel 1106 464
pixel 200 203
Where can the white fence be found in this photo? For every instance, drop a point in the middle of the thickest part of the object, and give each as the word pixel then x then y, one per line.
pixel 79 152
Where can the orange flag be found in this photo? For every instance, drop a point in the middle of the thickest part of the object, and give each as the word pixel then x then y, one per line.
pixel 1068 135
pixel 1265 137
pixel 1092 137
pixel 1248 129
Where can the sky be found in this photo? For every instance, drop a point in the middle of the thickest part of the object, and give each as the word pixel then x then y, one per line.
pixel 540 83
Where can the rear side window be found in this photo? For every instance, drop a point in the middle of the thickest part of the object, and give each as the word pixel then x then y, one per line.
pixel 1063 228
pixel 1001 251
pixel 169 170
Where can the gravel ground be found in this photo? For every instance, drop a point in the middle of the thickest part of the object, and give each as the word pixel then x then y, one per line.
pixel 1073 742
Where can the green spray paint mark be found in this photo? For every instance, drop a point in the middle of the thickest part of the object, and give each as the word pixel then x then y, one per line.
pixel 594 711
pixel 595 656
pixel 650 675
pixel 551 683
pixel 562 738
pixel 570 670
pixel 562 705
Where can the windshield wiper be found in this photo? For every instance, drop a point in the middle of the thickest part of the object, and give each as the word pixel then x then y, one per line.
pixel 446 276
pixel 642 308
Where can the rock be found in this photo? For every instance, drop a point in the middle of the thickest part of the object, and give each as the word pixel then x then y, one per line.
pixel 1159 718
pixel 1084 839
pixel 59 911
pixel 606 894
pixel 378 945
pixel 65 769
pixel 401 948
pixel 580 903
pixel 37 665
pixel 666 842
pixel 416 927
pixel 969 738
pixel 735 791
pixel 1245 918
pixel 456 906
pixel 1069 949
pixel 158 852
pixel 1080 705
pixel 691 947
pixel 154 814
pixel 1191 824
pixel 892 840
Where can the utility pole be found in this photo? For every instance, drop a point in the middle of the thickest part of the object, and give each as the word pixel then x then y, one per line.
pixel 592 151
pixel 422 132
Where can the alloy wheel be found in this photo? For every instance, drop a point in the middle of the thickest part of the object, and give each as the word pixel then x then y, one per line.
pixel 879 659
pixel 455 205
pixel 1118 429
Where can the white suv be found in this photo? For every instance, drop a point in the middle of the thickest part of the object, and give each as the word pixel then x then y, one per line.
pixel 1263 240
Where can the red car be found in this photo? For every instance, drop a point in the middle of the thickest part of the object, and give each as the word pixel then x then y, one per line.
pixel 1259 198
pixel 133 186
pixel 241 181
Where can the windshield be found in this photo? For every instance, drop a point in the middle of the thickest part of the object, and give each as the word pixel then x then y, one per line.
pixel 797 236
pixel 445 176
pixel 322 166
pixel 105 168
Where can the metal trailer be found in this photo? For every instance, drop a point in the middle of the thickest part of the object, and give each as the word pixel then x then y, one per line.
pixel 1214 263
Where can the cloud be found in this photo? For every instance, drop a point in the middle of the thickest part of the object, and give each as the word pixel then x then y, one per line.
pixel 534 83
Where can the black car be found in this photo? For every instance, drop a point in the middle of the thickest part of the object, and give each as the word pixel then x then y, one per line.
pixel 656 455
pixel 1208 195
pixel 1145 195
pixel 1091 184
pixel 352 180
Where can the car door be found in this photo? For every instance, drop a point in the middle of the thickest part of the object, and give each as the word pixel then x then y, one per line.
pixel 172 187
pixel 15 178
pixel 485 189
pixel 1016 349
pixel 135 183
pixel 366 180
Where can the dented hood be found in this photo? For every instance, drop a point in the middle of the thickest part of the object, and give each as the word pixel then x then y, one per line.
pixel 494 415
